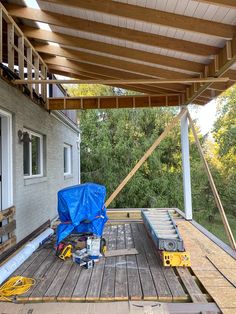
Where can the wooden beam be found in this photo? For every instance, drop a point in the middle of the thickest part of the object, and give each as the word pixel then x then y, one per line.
pixel 147 89
pixel 108 102
pixel 224 3
pixel 217 68
pixel 8 228
pixel 145 157
pixel 141 88
pixel 109 62
pixel 126 82
pixel 92 69
pixel 213 187
pixel 153 16
pixel 120 51
pixel 110 30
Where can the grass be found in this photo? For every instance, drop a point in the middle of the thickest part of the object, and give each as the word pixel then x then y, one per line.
pixel 216 227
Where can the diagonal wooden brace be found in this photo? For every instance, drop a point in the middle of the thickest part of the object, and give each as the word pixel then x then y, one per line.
pixel 145 157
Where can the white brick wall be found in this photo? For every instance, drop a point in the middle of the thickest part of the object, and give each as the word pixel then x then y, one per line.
pixel 36 199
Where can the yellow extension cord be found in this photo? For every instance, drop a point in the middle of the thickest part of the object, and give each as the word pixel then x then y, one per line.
pixel 15 286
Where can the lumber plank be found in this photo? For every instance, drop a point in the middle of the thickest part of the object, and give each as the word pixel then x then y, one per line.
pixel 226 262
pixel 69 284
pixel 7 244
pixel 94 288
pixel 82 284
pixel 6 213
pixel 148 287
pixel 204 269
pixel 225 298
pixel 194 291
pixel 108 284
pixel 174 285
pixel 121 252
pixel 55 287
pixel 134 284
pixel 121 285
pixel 8 228
pixel 162 288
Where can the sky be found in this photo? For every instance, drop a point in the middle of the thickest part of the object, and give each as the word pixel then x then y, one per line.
pixel 206 116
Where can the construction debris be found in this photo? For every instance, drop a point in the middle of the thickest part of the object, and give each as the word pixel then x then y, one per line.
pixel 122 252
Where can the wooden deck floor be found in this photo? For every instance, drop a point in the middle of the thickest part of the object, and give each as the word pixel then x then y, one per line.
pixel 136 277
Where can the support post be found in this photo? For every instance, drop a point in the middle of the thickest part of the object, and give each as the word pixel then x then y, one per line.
pixel 186 168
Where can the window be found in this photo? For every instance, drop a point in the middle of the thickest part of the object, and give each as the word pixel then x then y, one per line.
pixel 33 154
pixel 67 159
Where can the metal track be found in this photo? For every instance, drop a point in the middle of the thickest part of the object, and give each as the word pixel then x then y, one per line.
pixel 163 230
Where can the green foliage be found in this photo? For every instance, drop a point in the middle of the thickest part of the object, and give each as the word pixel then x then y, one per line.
pixel 113 141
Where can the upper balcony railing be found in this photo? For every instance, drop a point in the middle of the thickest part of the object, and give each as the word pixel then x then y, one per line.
pixel 19 59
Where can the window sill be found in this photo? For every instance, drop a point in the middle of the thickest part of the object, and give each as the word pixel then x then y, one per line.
pixel 36 180
pixel 68 176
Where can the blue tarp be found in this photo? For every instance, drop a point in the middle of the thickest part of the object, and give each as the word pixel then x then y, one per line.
pixel 81 209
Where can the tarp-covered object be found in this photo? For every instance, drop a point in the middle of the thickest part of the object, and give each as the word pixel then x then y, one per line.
pixel 81 209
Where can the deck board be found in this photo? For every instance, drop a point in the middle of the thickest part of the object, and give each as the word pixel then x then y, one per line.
pixel 131 277
pixel 69 284
pixel 108 283
pixel 148 287
pixel 93 293
pixel 211 265
pixel 121 287
pixel 162 288
pixel 134 284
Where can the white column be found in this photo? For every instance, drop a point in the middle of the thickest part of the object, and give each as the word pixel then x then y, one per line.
pixel 79 163
pixel 186 168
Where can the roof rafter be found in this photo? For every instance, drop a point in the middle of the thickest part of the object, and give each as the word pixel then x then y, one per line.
pixel 98 46
pixel 109 62
pixel 110 30
pixel 99 72
pixel 61 71
pixel 152 16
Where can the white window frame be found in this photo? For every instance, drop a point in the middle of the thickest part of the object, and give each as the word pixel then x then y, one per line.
pixel 68 159
pixel 30 155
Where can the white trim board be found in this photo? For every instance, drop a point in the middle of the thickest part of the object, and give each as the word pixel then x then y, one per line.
pixel 7 172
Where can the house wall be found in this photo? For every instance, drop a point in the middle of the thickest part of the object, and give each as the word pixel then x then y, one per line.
pixel 36 198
